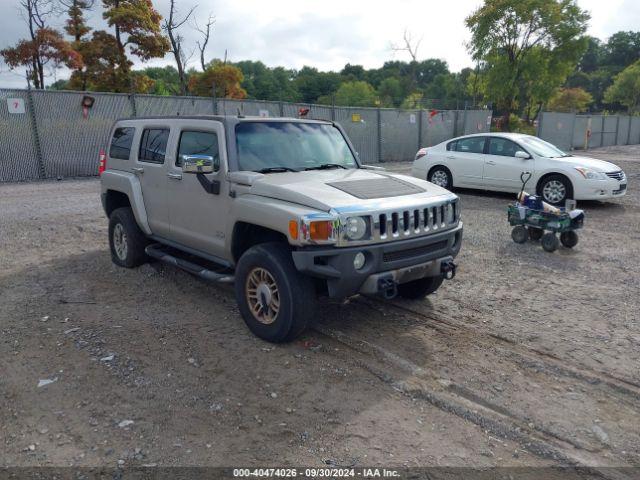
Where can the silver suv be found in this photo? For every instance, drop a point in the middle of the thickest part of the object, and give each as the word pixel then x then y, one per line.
pixel 282 208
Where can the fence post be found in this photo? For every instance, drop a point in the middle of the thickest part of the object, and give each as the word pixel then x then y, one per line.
pixel 573 130
pixel 280 108
pixel 617 127
pixel 379 131
pixel 36 135
pixel 464 121
pixel 629 129
pixel 539 129
pixel 456 113
pixel 132 100
pixel 602 131
pixel 419 129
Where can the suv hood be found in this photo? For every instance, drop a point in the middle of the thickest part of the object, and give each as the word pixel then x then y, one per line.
pixel 592 163
pixel 344 190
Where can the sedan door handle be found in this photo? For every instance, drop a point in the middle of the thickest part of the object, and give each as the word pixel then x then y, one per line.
pixel 138 170
pixel 174 176
pixel 451 157
pixel 491 162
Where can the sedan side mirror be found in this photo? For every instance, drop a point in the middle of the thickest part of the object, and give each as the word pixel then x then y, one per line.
pixel 198 164
pixel 522 154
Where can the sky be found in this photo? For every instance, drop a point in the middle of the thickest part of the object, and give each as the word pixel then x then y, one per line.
pixel 324 34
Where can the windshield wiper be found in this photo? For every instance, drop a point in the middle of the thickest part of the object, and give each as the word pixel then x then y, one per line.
pixel 276 170
pixel 326 166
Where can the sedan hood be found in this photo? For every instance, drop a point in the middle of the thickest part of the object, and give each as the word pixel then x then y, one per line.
pixel 345 190
pixel 592 163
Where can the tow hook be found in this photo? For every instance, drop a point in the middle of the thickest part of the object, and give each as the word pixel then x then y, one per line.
pixel 387 287
pixel 448 269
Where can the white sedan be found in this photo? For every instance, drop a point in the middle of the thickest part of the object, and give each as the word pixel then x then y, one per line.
pixel 494 161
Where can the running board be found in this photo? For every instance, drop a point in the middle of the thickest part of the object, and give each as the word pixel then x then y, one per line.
pixel 155 251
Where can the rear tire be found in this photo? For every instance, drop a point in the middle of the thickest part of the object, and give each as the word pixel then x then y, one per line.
pixel 126 241
pixel 550 242
pixel 418 289
pixel 440 176
pixel 275 300
pixel 569 239
pixel 519 234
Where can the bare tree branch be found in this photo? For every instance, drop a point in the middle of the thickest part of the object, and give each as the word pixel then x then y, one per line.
pixel 206 35
pixel 410 46
pixel 171 26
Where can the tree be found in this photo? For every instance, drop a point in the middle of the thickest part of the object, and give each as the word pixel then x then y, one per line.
pixel 626 88
pixel 506 33
pixel 313 84
pixel 76 26
pixel 225 78
pixel 171 26
pixel 570 100
pixel 621 50
pixel 48 47
pixel 356 94
pixel 266 83
pixel 390 92
pixel 206 35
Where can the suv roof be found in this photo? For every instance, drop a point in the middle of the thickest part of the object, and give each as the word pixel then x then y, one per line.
pixel 226 119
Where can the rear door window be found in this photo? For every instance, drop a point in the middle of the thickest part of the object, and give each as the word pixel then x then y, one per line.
pixel 198 143
pixel 153 145
pixel 470 145
pixel 121 143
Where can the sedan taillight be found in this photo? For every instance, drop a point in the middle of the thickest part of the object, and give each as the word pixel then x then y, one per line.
pixel 421 153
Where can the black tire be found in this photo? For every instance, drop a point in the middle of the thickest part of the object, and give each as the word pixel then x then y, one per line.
pixel 569 239
pixel 535 234
pixel 122 221
pixel 550 186
pixel 420 288
pixel 550 242
pixel 295 292
pixel 519 234
pixel 443 177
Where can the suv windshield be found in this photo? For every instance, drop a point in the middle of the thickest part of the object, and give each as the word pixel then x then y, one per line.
pixel 542 148
pixel 291 146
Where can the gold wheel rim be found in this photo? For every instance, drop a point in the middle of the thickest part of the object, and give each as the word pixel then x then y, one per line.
pixel 262 295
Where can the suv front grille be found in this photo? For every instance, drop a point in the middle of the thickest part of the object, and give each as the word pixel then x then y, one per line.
pixel 415 221
pixel 619 175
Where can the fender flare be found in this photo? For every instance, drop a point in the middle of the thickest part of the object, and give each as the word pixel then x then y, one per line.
pixel 128 184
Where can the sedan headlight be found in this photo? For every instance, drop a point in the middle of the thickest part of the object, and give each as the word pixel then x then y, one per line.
pixel 591 174
pixel 355 228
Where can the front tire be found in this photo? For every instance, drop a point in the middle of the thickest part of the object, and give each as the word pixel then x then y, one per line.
pixel 555 189
pixel 519 234
pixel 418 289
pixel 440 176
pixel 550 242
pixel 275 300
pixel 569 239
pixel 126 241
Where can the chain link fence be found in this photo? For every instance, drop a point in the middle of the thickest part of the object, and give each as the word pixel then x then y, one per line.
pixel 48 134
pixel 569 131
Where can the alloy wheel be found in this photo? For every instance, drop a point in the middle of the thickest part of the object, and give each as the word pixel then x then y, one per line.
pixel 554 191
pixel 120 241
pixel 262 295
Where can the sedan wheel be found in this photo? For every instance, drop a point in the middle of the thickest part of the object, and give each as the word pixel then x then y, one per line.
pixel 555 189
pixel 440 177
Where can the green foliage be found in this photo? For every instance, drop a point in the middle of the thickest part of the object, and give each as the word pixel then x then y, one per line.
pixel 626 88
pixel 390 92
pixel 526 48
pixel 312 84
pixel 264 83
pixel 517 124
pixel 570 100
pixel 356 94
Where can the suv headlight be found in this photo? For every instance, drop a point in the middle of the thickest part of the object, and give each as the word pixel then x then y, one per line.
pixel 591 174
pixel 355 228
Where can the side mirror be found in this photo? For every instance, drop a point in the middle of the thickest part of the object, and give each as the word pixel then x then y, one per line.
pixel 522 154
pixel 198 164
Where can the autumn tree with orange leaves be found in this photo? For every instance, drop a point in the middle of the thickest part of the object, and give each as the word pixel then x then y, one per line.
pixel 225 78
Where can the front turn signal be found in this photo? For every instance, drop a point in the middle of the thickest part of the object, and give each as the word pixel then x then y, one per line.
pixel 320 230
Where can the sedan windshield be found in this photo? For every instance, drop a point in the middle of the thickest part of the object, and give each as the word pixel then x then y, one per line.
pixel 291 146
pixel 542 148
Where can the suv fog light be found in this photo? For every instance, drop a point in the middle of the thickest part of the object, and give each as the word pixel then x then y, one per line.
pixel 359 260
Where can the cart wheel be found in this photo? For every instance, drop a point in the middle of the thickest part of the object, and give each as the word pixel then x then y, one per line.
pixel 569 239
pixel 519 234
pixel 550 242
pixel 535 234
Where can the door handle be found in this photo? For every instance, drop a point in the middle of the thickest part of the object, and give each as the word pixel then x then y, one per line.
pixel 491 162
pixel 450 157
pixel 174 176
pixel 138 170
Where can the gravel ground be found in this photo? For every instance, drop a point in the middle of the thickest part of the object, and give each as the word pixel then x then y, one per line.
pixel 525 359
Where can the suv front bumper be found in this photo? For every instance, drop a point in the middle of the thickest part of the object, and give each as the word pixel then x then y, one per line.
pixel 402 260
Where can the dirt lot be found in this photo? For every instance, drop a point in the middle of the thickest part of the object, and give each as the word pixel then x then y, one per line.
pixel 525 359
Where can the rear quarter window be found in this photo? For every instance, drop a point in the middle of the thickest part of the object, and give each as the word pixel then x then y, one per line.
pixel 121 143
